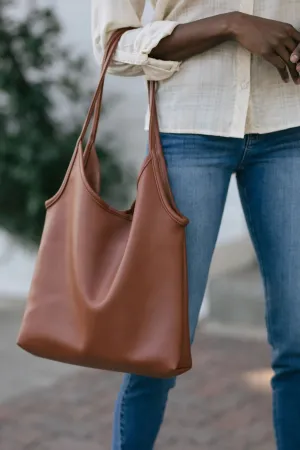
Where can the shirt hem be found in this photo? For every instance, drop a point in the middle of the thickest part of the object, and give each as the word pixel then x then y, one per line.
pixel 196 131
pixel 272 129
pixel 228 134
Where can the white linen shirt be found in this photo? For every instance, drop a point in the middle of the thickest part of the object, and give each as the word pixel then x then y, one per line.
pixel 225 91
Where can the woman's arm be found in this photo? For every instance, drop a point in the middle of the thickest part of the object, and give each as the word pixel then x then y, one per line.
pixel 274 41
pixel 193 38
pixel 157 49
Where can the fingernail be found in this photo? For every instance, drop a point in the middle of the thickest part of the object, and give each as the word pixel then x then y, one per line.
pixel 294 58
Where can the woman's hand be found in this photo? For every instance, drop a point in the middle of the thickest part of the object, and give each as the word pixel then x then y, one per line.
pixel 274 41
pixel 295 58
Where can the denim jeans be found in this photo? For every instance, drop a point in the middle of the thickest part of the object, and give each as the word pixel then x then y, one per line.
pixel 267 169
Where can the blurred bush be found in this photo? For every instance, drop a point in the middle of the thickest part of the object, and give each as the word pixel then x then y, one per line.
pixel 38 75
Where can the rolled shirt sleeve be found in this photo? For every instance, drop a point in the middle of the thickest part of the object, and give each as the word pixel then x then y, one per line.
pixel 132 55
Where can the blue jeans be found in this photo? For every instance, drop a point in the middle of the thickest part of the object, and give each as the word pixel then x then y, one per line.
pixel 267 169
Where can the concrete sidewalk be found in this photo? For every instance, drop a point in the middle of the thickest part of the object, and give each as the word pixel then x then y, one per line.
pixel 223 403
pixel 20 372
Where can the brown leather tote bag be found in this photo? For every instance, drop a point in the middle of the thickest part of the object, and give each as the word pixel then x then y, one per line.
pixel 109 289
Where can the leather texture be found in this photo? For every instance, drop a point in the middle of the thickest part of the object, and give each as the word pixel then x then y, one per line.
pixel 109 289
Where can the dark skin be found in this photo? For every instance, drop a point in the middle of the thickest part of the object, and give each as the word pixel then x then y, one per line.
pixel 276 42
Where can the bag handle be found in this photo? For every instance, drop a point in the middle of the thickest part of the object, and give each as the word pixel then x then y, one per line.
pixel 155 147
pixel 95 107
pixel 97 99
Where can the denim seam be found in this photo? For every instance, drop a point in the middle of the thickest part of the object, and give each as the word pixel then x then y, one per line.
pixel 257 248
pixel 246 148
pixel 275 409
pixel 122 414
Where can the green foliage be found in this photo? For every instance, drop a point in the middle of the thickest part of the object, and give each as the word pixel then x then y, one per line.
pixel 38 71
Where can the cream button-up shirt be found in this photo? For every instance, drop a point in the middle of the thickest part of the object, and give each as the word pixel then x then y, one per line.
pixel 225 91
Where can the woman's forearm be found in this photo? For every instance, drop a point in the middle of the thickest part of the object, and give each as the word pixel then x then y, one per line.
pixel 194 38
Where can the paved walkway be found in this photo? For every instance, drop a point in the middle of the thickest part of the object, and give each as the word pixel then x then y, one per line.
pixel 222 404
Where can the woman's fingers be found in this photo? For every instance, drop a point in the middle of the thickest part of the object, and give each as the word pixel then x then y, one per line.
pixel 295 59
pixel 280 65
pixel 285 56
pixel 295 56
pixel 295 34
pixel 290 44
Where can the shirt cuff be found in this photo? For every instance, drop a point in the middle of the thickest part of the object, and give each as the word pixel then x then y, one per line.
pixel 136 45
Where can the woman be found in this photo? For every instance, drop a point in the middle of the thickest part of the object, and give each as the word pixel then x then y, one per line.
pixel 229 102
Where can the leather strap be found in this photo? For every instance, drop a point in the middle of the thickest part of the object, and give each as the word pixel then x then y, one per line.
pixel 95 107
pixel 97 99
pixel 155 147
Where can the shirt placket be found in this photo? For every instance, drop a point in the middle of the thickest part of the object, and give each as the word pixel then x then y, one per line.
pixel 243 82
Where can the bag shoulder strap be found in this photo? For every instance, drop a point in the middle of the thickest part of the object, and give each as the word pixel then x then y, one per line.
pixel 97 98
pixel 155 148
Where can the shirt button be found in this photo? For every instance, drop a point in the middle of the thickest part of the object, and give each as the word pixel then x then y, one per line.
pixel 245 84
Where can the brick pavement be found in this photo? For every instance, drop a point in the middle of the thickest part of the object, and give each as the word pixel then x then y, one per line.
pixel 223 403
